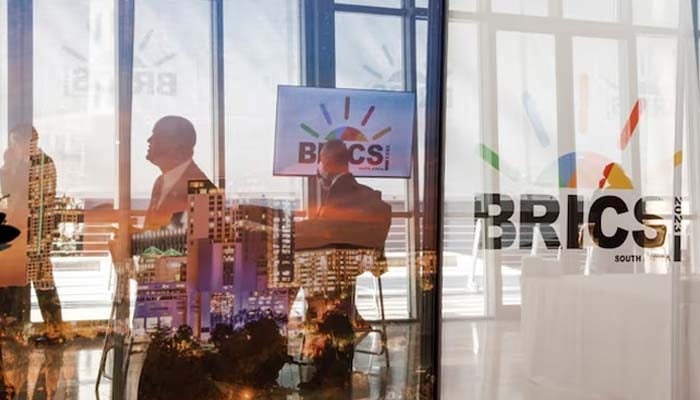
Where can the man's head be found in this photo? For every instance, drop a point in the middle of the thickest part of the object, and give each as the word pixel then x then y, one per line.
pixel 334 159
pixel 171 143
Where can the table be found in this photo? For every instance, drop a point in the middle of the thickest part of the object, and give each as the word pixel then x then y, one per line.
pixel 605 336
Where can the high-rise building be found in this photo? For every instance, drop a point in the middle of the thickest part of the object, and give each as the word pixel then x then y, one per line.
pixel 333 270
pixel 248 247
pixel 42 217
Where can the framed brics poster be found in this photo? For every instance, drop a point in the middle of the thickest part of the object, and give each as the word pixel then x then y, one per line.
pixel 377 127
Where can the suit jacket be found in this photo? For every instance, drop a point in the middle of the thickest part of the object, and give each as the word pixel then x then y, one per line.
pixel 351 215
pixel 159 214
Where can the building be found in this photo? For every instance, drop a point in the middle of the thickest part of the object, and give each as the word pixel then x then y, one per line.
pixel 333 270
pixel 244 250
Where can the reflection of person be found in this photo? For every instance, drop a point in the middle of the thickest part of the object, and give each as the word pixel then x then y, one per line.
pixel 171 147
pixel 351 217
pixel 42 200
pixel 41 197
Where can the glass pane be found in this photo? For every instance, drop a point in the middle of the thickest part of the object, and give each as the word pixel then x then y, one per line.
pixel 527 117
pixel 525 7
pixel 374 60
pixel 463 282
pixel 3 74
pixel 375 3
pixel 527 126
pixel 582 92
pixel 662 13
pixel 656 66
pixel 74 103
pixel 252 73
pixel 598 104
pixel 172 77
pixel 463 5
pixel 594 10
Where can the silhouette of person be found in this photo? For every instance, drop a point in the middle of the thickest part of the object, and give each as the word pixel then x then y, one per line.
pixel 41 226
pixel 40 188
pixel 8 233
pixel 351 217
pixel 171 147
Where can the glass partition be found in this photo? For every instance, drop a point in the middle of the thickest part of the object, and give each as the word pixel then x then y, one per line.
pixel 574 115
pixel 348 199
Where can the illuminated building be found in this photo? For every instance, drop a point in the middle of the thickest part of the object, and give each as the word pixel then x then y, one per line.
pixel 245 250
pixel 68 233
pixel 222 309
pixel 160 305
pixel 171 238
pixel 42 218
pixel 333 270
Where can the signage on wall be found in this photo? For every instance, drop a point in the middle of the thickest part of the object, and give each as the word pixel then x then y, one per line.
pixel 615 220
pixel 377 126
pixel 154 72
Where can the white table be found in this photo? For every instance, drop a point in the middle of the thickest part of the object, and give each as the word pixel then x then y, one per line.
pixel 604 336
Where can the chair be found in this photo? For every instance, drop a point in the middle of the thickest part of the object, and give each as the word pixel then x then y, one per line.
pixel 378 267
pixel 315 266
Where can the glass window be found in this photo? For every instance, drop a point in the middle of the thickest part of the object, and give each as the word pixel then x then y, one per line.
pixel 463 272
pixel 656 66
pixel 463 5
pixel 373 60
pixel 375 3
pixel 661 13
pixel 597 101
pixel 74 115
pixel 525 7
pixel 3 73
pixel 527 117
pixel 74 93
pixel 376 61
pixel 252 74
pixel 172 76
pixel 593 10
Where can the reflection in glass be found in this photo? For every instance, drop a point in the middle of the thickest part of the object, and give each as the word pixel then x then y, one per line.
pixel 524 7
pixel 656 66
pixel 658 13
pixel 598 104
pixel 252 73
pixel 527 118
pixel 74 110
pixel 463 272
pixel 3 72
pixel 593 10
pixel 172 76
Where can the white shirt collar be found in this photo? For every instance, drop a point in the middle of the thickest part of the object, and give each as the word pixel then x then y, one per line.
pixel 171 177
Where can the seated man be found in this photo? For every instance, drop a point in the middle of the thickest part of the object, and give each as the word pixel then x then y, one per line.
pixel 351 223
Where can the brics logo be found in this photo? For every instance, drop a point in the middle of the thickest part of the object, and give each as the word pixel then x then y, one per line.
pixel 614 196
pixel 362 145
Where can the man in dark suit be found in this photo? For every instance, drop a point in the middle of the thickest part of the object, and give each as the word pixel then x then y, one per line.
pixel 351 221
pixel 171 147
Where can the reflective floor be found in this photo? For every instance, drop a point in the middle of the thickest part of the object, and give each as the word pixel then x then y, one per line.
pixel 69 371
pixel 481 360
